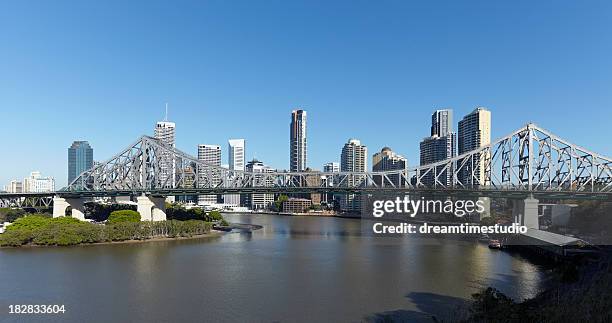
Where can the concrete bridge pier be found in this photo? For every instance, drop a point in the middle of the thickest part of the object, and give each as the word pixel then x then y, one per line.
pixel 151 208
pixel 77 205
pixel 525 212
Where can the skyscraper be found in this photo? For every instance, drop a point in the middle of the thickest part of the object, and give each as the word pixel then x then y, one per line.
pixel 442 122
pixel 80 159
pixel 165 132
pixel 235 160
pixel 235 154
pixel 298 144
pixel 474 132
pixel 211 156
pixel 440 145
pixel 354 158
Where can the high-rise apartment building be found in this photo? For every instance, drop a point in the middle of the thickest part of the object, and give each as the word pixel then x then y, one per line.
pixel 80 159
pixel 333 167
pixel 165 132
pixel 388 160
pixel 474 132
pixel 440 145
pixel 236 161
pixel 35 183
pixel 354 158
pixel 259 201
pixel 210 155
pixel 297 141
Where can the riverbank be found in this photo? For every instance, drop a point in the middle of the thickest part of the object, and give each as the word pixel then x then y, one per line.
pixel 580 292
pixel 63 231
pixel 212 234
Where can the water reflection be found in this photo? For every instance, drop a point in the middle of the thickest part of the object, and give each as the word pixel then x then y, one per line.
pixel 293 269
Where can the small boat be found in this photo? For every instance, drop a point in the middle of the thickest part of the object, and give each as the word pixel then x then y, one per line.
pixel 495 244
pixel 484 238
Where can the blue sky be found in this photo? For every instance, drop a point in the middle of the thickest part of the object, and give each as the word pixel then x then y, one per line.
pixel 375 70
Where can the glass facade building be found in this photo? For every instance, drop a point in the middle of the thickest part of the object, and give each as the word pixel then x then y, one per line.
pixel 80 159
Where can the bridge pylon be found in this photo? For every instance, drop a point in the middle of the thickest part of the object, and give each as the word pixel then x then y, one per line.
pixel 77 205
pixel 525 212
pixel 151 208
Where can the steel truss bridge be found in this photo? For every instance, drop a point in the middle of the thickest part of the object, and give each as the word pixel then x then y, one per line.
pixel 530 161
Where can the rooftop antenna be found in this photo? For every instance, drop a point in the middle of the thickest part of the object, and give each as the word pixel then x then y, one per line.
pixel 166 118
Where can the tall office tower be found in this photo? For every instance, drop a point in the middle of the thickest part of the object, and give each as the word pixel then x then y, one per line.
pixel 259 201
pixel 333 167
pixel 211 172
pixel 388 160
pixel 80 159
pixel 354 158
pixel 165 132
pixel 442 122
pixel 440 145
pixel 298 145
pixel 35 183
pixel 474 132
pixel 14 187
pixel 235 160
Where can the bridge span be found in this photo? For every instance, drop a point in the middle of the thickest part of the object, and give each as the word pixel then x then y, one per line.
pixel 526 165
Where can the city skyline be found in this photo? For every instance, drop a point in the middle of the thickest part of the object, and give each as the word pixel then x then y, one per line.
pixel 369 74
pixel 172 139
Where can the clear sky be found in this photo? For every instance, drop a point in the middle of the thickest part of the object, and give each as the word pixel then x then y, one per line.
pixel 374 70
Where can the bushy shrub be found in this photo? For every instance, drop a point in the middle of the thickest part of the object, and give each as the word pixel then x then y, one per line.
pixel 66 231
pixel 30 222
pixel 213 216
pixel 124 216
pixel 15 238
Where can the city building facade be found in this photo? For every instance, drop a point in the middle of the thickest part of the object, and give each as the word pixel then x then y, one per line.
pixel 474 132
pixel 296 205
pixel 440 145
pixel 80 159
pixel 354 158
pixel 259 201
pixel 35 183
pixel 14 186
pixel 211 156
pixel 236 161
pixel 298 147
pixel 165 132
pixel 388 160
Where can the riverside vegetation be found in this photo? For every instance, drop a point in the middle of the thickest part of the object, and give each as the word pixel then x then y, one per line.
pixel 121 225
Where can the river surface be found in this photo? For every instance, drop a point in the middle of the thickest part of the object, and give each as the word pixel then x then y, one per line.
pixel 294 269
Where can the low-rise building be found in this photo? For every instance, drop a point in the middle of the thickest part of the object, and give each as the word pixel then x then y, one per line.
pixel 296 205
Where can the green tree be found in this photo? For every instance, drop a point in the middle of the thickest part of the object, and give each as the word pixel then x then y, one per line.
pixel 278 204
pixel 123 216
pixel 213 216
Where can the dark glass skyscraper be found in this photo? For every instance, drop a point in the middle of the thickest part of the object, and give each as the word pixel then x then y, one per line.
pixel 80 159
pixel 297 138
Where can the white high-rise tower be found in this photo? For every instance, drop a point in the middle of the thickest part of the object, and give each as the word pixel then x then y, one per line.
pixel 165 132
pixel 211 156
pixel 235 160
